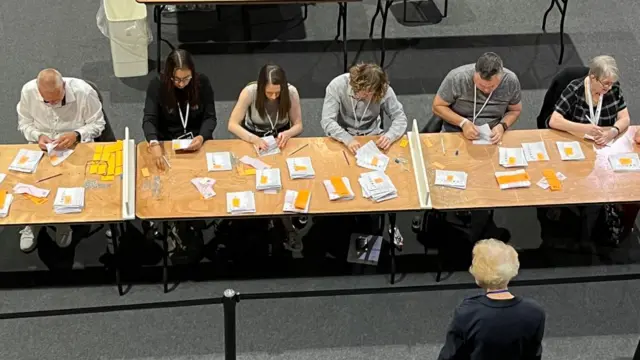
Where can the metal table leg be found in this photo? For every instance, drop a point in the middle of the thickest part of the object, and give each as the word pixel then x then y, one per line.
pixel 385 13
pixel 343 11
pixel 165 257
pixel 562 7
pixel 115 237
pixel 375 16
pixel 157 13
pixel 392 244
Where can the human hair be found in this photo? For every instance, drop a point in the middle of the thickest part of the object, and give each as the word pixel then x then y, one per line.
pixel 369 77
pixel 50 79
pixel 271 74
pixel 494 264
pixel 604 67
pixel 488 65
pixel 179 60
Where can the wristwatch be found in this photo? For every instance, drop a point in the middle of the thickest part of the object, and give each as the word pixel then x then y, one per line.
pixel 78 137
pixel 504 125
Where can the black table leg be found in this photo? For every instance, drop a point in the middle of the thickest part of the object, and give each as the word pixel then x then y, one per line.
pixel 246 22
pixel 115 237
pixel 562 7
pixel 345 54
pixel 392 244
pixel 373 19
pixel 157 13
pixel 385 13
pixel 165 256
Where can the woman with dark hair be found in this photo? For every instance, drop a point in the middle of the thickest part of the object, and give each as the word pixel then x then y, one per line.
pixel 179 105
pixel 270 106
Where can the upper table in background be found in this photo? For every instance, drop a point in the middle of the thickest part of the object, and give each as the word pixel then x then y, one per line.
pixel 178 197
pixel 588 182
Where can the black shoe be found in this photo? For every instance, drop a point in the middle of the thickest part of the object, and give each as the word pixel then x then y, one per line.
pixel 416 224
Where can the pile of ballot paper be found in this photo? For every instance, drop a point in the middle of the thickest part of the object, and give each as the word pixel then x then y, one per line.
pixel 300 168
pixel 370 157
pixel 57 156
pixel 512 157
pixel 272 147
pixel 241 202
pixel 453 179
pixel 625 162
pixel 570 150
pixel 513 179
pixel 181 144
pixel 5 203
pixel 338 188
pixel 219 161
pixel 535 151
pixel 26 161
pixel 107 161
pixel 377 186
pixel 69 200
pixel 268 179
pixel 204 186
pixel 297 201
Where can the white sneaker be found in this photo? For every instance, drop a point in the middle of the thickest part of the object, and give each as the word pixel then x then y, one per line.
pixel 64 236
pixel 28 239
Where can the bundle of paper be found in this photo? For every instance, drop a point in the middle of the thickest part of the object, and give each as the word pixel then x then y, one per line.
pixel 5 203
pixel 551 177
pixel 272 147
pixel 268 179
pixel 254 163
pixel 57 156
pixel 484 135
pixel 107 161
pixel 454 179
pixel 219 161
pixel 513 179
pixel 241 202
pixel 297 201
pixel 570 150
pixel 180 144
pixel 26 161
pixel 377 186
pixel 535 151
pixel 204 186
pixel 21 188
pixel 69 200
pixel 370 157
pixel 300 168
pixel 338 188
pixel 511 157
pixel 628 162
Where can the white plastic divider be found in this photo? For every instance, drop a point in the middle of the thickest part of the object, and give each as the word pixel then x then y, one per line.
pixel 128 177
pixel 419 166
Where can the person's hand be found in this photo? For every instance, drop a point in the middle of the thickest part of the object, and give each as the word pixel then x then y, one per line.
pixel 605 136
pixel 282 139
pixel 636 137
pixel 470 131
pixel 43 140
pixel 65 141
pixel 593 130
pixel 157 155
pixel 496 134
pixel 353 146
pixel 196 143
pixel 259 143
pixel 383 142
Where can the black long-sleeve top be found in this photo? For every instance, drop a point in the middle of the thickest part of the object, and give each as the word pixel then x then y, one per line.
pixel 487 329
pixel 163 124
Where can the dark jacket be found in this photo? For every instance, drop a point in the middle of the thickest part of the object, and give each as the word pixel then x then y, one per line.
pixel 163 124
pixel 558 84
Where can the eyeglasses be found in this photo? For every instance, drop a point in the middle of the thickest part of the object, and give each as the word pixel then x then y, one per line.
pixel 182 80
pixel 606 85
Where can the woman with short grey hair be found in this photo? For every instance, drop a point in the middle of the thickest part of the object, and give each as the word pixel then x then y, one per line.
pixel 496 325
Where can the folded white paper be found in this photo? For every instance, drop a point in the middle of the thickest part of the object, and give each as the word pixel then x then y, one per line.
pixel 535 151
pixel 377 186
pixel 57 156
pixel 333 195
pixel 272 147
pixel 289 202
pixel 570 150
pixel 511 157
pixel 4 211
pixel 254 163
pixel 485 135
pixel 300 168
pixel 628 162
pixel 454 179
pixel 268 179
pixel 219 161
pixel 204 186
pixel 26 161
pixel 2 177
pixel 241 202
pixel 370 157
pixel 21 188
pixel 69 200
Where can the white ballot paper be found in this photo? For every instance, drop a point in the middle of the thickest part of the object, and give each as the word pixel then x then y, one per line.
pixel 338 188
pixel 511 157
pixel 268 179
pixel 570 150
pixel 535 151
pixel 370 157
pixel 628 162
pixel 485 135
pixel 241 202
pixel 254 163
pixel 21 188
pixel 294 204
pixel 377 186
pixel 219 161
pixel 26 161
pixel 513 179
pixel 69 200
pixel 454 179
pixel 180 144
pixel 272 147
pixel 57 156
pixel 204 186
pixel 300 168
pixel 4 211
pixel 544 184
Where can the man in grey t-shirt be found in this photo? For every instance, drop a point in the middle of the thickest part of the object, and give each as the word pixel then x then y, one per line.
pixel 476 94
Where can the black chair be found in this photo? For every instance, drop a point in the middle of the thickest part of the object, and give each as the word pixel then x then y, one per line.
pixel 558 84
pixel 107 134
pixel 434 125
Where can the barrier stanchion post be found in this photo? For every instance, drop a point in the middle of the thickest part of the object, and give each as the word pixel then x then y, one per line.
pixel 229 301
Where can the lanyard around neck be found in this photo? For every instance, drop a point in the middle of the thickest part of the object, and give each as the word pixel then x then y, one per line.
pixel 594 118
pixel 273 125
pixel 184 119
pixel 355 116
pixel 475 97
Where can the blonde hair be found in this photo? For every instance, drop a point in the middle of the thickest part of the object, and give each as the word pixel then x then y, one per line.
pixel 494 264
pixel 604 67
pixel 369 77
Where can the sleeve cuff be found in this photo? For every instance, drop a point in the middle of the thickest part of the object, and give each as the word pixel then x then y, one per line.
pixel 154 141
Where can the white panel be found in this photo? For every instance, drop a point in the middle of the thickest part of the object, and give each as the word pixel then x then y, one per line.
pixel 128 177
pixel 419 166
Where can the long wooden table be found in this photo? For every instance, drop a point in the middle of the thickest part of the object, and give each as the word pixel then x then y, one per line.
pixel 590 181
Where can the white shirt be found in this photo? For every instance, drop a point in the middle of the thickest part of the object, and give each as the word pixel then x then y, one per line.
pixel 81 112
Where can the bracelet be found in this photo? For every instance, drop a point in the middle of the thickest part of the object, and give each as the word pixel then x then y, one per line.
pixel 617 128
pixel 504 125
pixel 464 121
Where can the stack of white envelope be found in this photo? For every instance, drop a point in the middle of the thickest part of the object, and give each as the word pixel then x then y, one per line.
pixel 453 179
pixel 300 168
pixel 204 186
pixel 219 161
pixel 629 162
pixel 297 201
pixel 26 161
pixel 272 147
pixel 370 157
pixel 241 202
pixel 339 188
pixel 512 157
pixel 268 179
pixel 377 186
pixel 57 156
pixel 4 210
pixel 69 200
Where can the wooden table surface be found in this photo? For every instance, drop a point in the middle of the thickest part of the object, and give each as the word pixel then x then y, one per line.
pixel 588 182
pixel 178 197
pixel 101 205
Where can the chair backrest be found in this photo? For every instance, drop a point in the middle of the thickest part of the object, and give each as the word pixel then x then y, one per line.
pixel 107 134
pixel 433 125
pixel 558 84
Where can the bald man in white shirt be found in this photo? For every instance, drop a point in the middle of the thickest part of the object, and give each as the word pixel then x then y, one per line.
pixel 58 109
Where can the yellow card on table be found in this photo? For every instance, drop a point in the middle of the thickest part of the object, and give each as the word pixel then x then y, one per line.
pixel 97 155
pixel 508 179
pixel 102 169
pixel 119 170
pixel 3 197
pixel 105 156
pixel 35 200
pixel 67 200
pixel 112 165
pixel 437 165
pixel 404 142
pixel 235 202
pixel 339 186
pixel 568 151
pixel 93 169
pixel 145 172
pixel 119 158
pixel 552 179
pixel 251 171
pixel 625 161
pixel 118 145
pixel 302 199
pixel 23 160
pixel 299 167
pixel 111 148
pixel 176 146
pixel 107 178
pixel 264 179
pixel 99 149
pixel 512 160
pixel 540 156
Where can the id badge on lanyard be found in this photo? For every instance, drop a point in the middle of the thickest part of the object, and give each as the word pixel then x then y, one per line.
pixel 184 120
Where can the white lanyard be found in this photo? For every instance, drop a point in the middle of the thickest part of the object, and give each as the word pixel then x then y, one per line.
pixel 353 106
pixel 594 118
pixel 184 119
pixel 475 93
pixel 273 125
